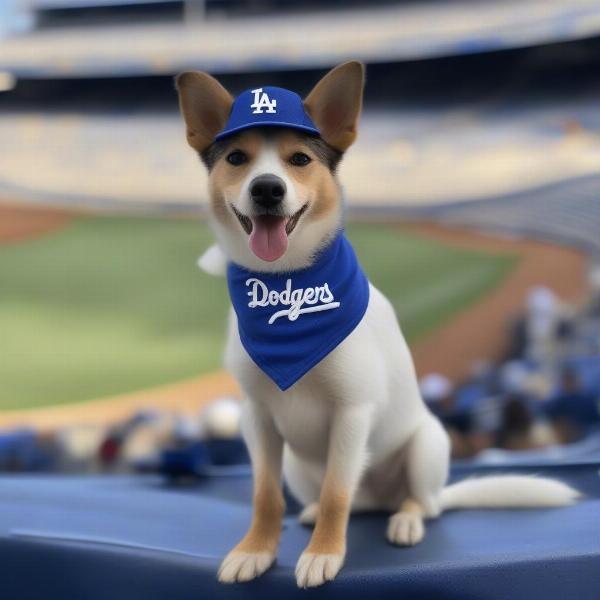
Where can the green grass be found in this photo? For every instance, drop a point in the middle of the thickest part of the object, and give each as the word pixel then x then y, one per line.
pixel 111 305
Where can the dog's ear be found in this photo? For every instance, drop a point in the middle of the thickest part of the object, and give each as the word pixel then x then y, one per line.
pixel 334 104
pixel 205 105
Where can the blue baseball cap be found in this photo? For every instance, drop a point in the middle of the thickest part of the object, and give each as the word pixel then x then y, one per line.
pixel 267 107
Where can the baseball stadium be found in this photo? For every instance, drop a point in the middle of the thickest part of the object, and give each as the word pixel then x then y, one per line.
pixel 472 201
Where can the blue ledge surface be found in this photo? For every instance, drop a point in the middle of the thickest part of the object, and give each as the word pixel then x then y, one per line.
pixel 141 538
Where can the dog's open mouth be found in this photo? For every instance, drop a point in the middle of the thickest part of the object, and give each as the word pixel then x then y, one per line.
pixel 269 233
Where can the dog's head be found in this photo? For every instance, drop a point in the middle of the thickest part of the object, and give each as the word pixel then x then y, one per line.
pixel 274 196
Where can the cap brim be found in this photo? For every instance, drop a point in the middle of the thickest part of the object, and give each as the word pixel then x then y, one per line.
pixel 305 128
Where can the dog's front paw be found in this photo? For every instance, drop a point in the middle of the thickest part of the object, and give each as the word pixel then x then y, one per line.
pixel 244 566
pixel 405 529
pixel 315 569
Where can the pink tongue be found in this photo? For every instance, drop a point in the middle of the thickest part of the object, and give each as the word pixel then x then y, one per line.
pixel 268 239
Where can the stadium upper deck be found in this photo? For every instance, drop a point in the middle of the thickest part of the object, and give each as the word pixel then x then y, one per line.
pixel 377 33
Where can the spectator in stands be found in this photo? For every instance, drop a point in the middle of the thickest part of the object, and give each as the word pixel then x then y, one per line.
pixel 594 282
pixel 541 323
pixel 542 331
pixel 573 410
pixel 519 430
pixel 438 393
pixel 485 412
pixel 516 424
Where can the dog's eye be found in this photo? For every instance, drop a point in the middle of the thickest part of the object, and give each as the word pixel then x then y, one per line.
pixel 299 159
pixel 237 158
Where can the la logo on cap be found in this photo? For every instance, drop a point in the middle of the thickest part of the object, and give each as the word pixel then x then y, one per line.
pixel 261 102
pixel 267 106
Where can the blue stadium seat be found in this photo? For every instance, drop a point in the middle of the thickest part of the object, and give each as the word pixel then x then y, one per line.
pixel 584 450
pixel 20 451
pixel 138 538
pixel 588 370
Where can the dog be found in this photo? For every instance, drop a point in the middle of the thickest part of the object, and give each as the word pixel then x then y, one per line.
pixel 331 395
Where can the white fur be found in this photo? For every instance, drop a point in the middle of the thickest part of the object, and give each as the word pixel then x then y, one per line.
pixel 405 529
pixel 244 566
pixel 358 415
pixel 507 491
pixel 304 242
pixel 268 162
pixel 314 569
pixel 308 515
pixel 213 261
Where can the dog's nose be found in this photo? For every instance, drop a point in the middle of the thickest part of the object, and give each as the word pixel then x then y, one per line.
pixel 267 190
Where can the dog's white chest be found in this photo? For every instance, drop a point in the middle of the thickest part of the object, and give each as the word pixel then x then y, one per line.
pixel 301 414
pixel 370 368
pixel 303 420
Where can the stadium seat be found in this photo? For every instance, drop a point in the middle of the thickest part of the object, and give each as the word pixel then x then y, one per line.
pixel 20 451
pixel 139 538
pixel 585 450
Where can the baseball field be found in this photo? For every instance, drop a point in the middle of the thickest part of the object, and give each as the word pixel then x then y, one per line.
pixel 101 306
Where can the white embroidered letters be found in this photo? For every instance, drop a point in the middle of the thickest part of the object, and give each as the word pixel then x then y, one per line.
pixel 260 295
pixel 262 101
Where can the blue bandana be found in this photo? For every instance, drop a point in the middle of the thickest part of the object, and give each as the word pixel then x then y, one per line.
pixel 289 322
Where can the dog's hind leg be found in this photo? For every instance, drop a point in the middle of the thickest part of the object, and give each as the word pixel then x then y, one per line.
pixel 308 515
pixel 426 460
pixel 303 480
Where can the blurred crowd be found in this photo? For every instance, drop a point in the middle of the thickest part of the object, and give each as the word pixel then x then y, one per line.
pixel 149 441
pixel 545 393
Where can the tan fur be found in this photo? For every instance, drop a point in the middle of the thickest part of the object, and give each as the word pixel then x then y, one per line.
pixel 332 418
pixel 335 103
pixel 268 506
pixel 314 181
pixel 413 507
pixel 205 105
pixel 218 203
pixel 329 535
pixel 225 180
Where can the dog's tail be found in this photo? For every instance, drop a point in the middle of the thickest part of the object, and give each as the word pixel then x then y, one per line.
pixel 507 491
